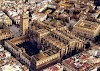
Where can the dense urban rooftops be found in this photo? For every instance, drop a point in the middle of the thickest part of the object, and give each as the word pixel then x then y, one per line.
pixel 83 61
pixel 9 63
pixel 56 67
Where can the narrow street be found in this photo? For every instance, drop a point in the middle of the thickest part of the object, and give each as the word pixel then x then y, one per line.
pixel 15 30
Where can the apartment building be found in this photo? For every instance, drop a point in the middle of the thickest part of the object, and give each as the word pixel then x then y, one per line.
pixel 5 19
pixel 39 16
pixel 5 32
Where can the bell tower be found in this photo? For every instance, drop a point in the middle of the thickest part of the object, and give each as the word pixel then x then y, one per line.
pixel 24 21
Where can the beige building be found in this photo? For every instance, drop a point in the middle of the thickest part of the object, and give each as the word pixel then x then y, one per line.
pixel 44 58
pixel 49 41
pixel 70 39
pixel 63 40
pixel 54 34
pixel 86 29
pixel 7 21
pixel 56 24
pixel 18 52
pixel 5 33
pixel 35 61
pixel 37 30
pixel 24 21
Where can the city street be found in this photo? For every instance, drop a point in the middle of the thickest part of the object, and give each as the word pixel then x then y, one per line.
pixel 15 30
